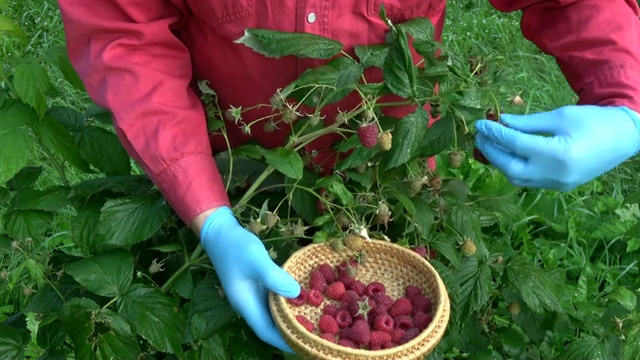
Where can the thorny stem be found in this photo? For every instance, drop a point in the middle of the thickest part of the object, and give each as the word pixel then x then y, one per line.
pixel 56 164
pixel 193 259
pixel 45 277
pixel 247 195
pixel 110 302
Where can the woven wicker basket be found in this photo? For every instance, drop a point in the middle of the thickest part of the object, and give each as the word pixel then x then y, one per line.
pixel 393 265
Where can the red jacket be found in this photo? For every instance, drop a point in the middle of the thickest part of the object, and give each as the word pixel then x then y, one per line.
pixel 139 58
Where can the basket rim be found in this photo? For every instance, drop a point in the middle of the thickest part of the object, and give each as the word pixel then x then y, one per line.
pixel 442 313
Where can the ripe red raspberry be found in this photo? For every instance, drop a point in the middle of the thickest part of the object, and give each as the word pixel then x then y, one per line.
pixel 479 156
pixel 344 333
pixel 421 250
pixel 327 324
pixel 360 332
pixel 383 301
pixel 335 291
pixel 422 320
pixel 348 296
pixel 358 286
pixel 397 334
pixel 330 310
pixel 404 322
pixel 315 298
pixel 374 288
pixel 421 303
pixel 321 207
pixel 411 291
pixel 343 319
pixel 328 273
pixel 305 322
pixel 384 323
pixel 368 134
pixel 402 306
pixel 389 345
pixel 409 335
pixel 317 281
pixel 348 343
pixel 301 299
pixel 329 337
pixel 379 338
pixel 345 278
pixel 376 312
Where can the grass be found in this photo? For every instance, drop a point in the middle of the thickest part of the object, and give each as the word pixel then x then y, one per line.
pixel 472 26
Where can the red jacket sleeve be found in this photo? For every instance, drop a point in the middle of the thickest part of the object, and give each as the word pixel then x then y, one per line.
pixel 132 64
pixel 596 44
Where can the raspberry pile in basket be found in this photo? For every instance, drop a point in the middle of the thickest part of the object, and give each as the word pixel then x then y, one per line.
pixel 362 316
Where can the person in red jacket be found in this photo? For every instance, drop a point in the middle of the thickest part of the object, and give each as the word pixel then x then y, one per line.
pixel 139 59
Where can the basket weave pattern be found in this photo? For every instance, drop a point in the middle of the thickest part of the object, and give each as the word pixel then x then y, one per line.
pixel 393 265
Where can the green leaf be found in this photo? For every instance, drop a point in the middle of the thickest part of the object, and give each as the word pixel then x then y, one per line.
pixel 5 195
pixel 421 29
pixel 399 72
pixel 591 347
pixel 77 319
pixel 71 118
pixel 288 162
pixel 154 316
pixel 300 198
pixel 59 57
pixel 49 199
pixel 534 285
pixel 26 177
pixel 100 114
pixel 57 139
pixel 632 343
pixel 249 350
pixel 16 146
pixel 513 341
pixel 465 221
pixel 249 151
pixel 208 312
pixel 21 224
pixel 475 283
pixel 423 217
pixel 358 156
pixel 446 246
pixel 119 342
pixel 107 274
pixel 404 199
pixel 13 342
pixel 51 336
pixel 125 184
pixel 102 149
pixel 372 55
pixel 407 137
pixel 31 81
pixel 83 226
pixel 627 298
pixel 132 219
pixel 633 198
pixel 213 348
pixel 184 285
pixel 335 186
pixel 326 84
pixel 276 44
pixel 8 26
pixel 438 138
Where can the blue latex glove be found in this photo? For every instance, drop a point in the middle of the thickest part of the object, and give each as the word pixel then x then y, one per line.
pixel 582 142
pixel 247 273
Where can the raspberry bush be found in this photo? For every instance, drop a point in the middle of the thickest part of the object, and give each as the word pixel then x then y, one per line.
pixel 128 280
